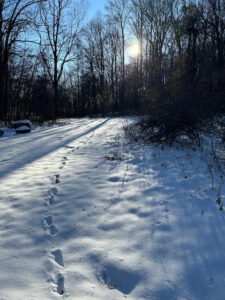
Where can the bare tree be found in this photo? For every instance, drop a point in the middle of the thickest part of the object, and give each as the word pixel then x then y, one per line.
pixel 113 61
pixel 14 20
pixel 137 21
pixel 216 21
pixel 118 12
pixel 60 21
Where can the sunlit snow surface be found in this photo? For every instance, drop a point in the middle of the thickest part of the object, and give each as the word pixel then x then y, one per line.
pixel 86 214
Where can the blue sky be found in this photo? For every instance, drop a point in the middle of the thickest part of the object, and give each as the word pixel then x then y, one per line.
pixel 94 6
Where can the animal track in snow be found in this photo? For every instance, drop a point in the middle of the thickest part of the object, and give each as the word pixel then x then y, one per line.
pixel 114 179
pixel 53 191
pixel 52 230
pixel 116 278
pixel 64 159
pixel 51 201
pixel 57 179
pixel 51 195
pixel 58 279
pixel 58 282
pixel 58 257
pixel 48 220
pixel 211 281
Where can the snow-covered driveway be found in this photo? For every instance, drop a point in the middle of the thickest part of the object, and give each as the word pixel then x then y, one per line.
pixel 85 214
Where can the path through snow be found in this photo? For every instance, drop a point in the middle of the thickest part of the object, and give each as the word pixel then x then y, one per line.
pixel 85 214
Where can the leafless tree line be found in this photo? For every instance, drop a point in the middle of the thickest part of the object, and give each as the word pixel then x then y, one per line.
pixel 55 63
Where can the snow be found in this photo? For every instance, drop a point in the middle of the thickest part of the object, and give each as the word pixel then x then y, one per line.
pixel 87 214
pixel 28 122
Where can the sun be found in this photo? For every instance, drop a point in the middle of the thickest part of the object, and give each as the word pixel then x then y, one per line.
pixel 134 50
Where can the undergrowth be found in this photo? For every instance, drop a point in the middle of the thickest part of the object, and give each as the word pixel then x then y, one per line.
pixel 207 138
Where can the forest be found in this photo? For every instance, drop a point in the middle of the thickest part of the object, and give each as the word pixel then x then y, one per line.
pixel 112 149
pixel 55 63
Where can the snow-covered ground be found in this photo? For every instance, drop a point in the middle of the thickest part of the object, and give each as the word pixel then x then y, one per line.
pixel 87 214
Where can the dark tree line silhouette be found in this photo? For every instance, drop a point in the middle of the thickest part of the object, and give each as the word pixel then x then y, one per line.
pixel 54 63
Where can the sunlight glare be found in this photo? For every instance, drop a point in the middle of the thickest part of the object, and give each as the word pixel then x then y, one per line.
pixel 134 50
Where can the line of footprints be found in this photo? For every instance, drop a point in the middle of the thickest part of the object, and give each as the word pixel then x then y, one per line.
pixel 58 279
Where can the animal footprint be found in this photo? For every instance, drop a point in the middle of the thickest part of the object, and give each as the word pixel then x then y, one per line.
pixel 57 179
pixel 52 230
pixel 211 281
pixel 51 200
pixel 114 179
pixel 48 220
pixel 63 162
pixel 51 195
pixel 58 282
pixel 158 223
pixel 58 257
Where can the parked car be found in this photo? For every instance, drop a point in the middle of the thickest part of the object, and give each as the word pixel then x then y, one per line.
pixel 23 129
pixel 19 123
